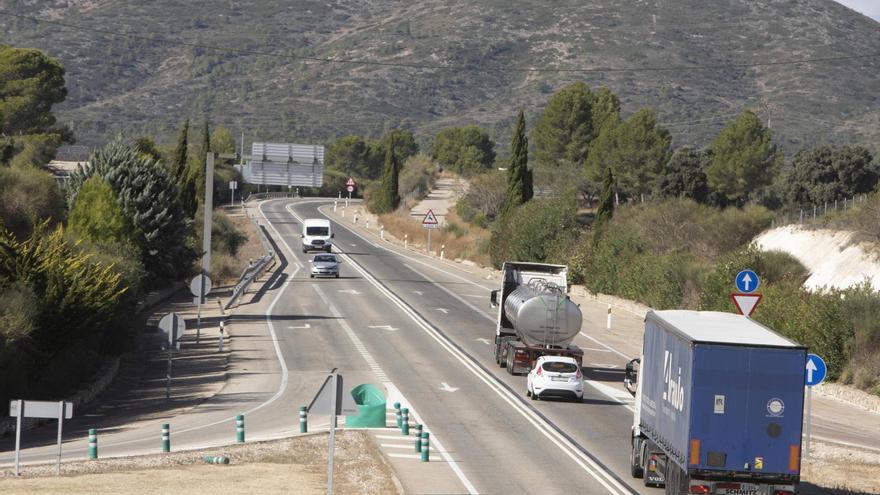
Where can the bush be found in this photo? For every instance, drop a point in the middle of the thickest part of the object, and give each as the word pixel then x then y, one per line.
pixel 529 232
pixel 226 238
pixel 485 196
pixel 28 195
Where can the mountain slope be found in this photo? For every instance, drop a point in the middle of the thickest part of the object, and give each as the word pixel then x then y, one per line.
pixel 265 81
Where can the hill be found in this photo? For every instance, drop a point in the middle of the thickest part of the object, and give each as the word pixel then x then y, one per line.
pixel 142 67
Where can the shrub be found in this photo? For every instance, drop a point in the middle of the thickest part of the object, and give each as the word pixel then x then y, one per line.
pixel 28 195
pixel 529 232
pixel 226 238
pixel 485 196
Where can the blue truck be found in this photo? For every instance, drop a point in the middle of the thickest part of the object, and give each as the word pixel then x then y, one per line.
pixel 718 405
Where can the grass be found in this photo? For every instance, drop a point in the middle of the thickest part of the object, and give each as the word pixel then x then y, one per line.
pixel 461 240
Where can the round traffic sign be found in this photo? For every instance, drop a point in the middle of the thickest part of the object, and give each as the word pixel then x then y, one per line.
pixel 173 325
pixel 815 370
pixel 747 281
pixel 195 285
pixel 350 188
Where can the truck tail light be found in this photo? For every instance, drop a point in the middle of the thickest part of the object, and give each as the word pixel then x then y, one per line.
pixel 794 458
pixel 783 492
pixel 700 489
pixel 694 458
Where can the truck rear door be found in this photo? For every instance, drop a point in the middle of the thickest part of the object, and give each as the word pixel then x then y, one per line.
pixel 748 409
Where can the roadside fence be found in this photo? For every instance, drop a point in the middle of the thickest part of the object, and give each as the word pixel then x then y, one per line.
pixel 810 215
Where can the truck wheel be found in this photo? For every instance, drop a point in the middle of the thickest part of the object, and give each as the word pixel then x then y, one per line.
pixel 509 365
pixel 635 465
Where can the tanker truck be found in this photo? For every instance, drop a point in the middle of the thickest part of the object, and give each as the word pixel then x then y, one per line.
pixel 535 316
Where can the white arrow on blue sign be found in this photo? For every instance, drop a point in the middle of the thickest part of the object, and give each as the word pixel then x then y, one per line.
pixel 815 371
pixel 747 281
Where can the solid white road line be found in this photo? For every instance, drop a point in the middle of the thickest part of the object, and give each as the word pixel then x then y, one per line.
pixel 393 390
pixel 404 456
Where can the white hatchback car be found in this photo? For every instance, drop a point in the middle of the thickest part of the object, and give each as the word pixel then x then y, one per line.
pixel 556 376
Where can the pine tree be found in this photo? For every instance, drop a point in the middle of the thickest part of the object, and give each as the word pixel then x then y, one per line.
pixel 606 201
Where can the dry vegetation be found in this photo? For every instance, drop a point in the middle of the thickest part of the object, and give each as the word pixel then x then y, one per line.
pixel 462 240
pixel 257 468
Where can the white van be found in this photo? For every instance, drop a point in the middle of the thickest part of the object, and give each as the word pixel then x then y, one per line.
pixel 316 235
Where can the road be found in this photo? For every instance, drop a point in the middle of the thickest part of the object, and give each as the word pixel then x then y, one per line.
pixel 422 330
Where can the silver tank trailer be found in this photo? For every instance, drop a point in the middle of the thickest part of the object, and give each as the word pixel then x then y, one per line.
pixel 542 315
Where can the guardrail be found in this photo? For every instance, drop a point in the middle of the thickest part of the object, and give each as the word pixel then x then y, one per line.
pixel 254 270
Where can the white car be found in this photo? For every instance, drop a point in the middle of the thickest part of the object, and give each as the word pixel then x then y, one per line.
pixel 324 265
pixel 556 376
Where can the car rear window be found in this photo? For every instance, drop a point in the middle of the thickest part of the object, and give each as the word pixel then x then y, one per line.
pixel 325 258
pixel 559 367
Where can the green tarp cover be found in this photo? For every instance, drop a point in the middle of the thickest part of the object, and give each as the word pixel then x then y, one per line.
pixel 371 404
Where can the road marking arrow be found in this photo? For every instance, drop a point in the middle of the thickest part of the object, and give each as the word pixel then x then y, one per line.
pixel 349 291
pixel 418 292
pixel 298 328
pixel 447 388
pixel 443 310
pixel 384 327
pixel 485 341
pixel 811 367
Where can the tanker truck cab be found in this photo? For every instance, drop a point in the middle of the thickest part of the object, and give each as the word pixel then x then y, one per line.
pixel 535 316
pixel 316 235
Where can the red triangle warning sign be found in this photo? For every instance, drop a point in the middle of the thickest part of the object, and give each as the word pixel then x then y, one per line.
pixel 430 218
pixel 745 303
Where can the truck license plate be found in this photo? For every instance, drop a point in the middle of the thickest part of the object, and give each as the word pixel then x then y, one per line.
pixel 744 489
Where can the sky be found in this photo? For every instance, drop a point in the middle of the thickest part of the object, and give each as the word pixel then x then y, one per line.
pixel 870 8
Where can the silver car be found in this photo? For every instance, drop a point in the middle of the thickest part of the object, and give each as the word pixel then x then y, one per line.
pixel 325 265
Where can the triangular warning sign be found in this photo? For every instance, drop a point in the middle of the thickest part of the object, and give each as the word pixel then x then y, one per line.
pixel 746 303
pixel 429 219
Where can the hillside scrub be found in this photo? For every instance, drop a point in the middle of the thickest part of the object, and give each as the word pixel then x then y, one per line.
pixel 536 231
pixel 462 240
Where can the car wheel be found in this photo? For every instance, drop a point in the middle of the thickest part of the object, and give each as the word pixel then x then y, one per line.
pixel 311 276
pixel 337 275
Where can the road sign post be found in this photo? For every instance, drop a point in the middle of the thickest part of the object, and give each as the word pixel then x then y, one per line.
pixel 814 374
pixel 200 286
pixel 233 185
pixel 38 409
pixel 349 186
pixel 173 325
pixel 333 399
pixel 430 222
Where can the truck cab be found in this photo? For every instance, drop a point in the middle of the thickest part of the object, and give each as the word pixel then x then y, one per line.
pixel 316 235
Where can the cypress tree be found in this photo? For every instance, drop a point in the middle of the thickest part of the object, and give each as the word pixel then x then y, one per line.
pixel 606 201
pixel 178 168
pixel 519 177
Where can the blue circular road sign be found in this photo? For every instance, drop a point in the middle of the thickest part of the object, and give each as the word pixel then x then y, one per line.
pixel 747 281
pixel 815 371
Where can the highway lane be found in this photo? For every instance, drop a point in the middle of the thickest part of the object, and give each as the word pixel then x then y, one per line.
pixel 596 427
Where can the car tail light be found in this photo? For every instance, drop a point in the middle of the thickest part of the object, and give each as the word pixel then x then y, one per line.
pixel 700 489
pixel 579 374
pixel 539 373
pixel 794 458
pixel 694 458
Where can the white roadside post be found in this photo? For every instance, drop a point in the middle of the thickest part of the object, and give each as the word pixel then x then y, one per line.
pixel 609 317
pixel 233 185
pixel 19 411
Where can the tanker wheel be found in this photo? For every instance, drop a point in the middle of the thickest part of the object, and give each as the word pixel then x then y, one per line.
pixel 509 365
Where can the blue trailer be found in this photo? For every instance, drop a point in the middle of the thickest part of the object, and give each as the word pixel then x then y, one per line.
pixel 719 405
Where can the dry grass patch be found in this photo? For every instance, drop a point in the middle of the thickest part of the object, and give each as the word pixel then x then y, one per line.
pixel 294 465
pixel 462 240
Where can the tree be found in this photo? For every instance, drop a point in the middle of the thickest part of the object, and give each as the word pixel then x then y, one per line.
pixel 403 143
pixel 534 231
pixel 149 200
pixel 348 154
pixel 563 132
pixel 30 84
pixel 465 150
pixel 684 175
pixel 387 196
pixel 824 174
pixel 519 178
pixel 96 215
pixel 222 141
pixel 147 146
pixel 744 159
pixel 635 150
pixel 178 165
pixel 606 202
pixel 605 110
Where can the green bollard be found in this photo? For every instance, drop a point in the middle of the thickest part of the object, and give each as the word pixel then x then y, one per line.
pixel 418 438
pixel 93 443
pixel 404 422
pixel 397 414
pixel 166 437
pixel 216 459
pixel 239 428
pixel 426 446
pixel 303 419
